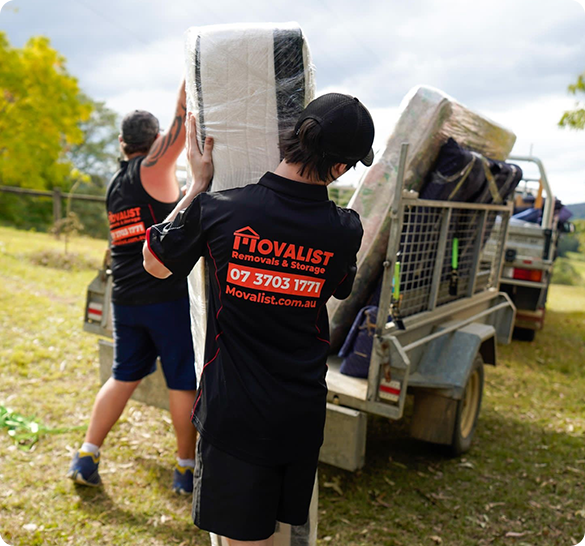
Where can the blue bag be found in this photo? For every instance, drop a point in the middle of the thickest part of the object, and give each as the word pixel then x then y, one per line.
pixel 357 349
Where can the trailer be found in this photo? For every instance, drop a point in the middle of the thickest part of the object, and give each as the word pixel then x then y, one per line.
pixel 440 316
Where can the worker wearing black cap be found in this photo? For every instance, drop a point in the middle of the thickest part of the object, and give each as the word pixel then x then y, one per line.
pixel 277 251
pixel 150 316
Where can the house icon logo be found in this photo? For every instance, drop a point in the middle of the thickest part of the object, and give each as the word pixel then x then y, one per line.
pixel 245 236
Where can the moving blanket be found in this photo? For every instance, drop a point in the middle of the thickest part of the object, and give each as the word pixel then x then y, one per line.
pixel 428 119
pixel 247 84
pixel 459 175
pixel 463 175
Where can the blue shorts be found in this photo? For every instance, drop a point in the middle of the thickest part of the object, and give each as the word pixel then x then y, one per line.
pixel 144 332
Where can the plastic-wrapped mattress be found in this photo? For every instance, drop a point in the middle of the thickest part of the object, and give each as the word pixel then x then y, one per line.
pixel 428 118
pixel 247 85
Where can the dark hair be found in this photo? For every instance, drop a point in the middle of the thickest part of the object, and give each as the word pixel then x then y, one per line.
pixel 302 147
pixel 143 147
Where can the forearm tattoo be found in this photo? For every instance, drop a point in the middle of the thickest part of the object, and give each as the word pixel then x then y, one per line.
pixel 161 146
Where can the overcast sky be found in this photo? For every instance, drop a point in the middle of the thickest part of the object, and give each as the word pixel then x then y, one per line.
pixel 508 59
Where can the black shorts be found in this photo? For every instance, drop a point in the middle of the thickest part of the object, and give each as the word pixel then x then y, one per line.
pixel 243 501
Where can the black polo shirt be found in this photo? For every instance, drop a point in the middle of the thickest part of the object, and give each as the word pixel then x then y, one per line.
pixel 276 252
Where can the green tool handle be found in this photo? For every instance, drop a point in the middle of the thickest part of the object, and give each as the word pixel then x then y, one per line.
pixel 455 254
pixel 397 280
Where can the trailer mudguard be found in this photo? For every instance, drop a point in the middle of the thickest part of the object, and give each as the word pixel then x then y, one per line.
pixel 447 361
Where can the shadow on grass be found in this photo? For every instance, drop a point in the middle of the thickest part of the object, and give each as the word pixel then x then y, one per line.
pixel 100 506
pixel 518 484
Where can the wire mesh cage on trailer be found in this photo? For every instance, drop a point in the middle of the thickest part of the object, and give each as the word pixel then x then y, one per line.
pixel 442 254
pixel 439 316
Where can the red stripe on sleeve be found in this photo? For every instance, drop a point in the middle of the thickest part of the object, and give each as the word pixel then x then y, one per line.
pixel 150 248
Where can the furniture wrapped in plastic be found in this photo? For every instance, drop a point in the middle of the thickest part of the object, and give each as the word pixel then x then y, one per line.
pixel 463 175
pixel 246 84
pixel 428 118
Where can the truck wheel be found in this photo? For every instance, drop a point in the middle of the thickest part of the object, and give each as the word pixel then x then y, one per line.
pixel 468 409
pixel 524 334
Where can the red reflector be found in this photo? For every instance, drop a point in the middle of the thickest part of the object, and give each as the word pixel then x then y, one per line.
pixel 533 275
pixel 390 390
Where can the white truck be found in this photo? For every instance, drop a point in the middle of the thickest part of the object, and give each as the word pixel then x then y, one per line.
pixel 531 250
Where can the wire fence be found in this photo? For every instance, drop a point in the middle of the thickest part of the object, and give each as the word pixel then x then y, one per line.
pixel 42 210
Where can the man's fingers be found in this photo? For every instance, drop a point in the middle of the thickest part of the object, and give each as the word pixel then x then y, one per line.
pixel 208 148
pixel 192 134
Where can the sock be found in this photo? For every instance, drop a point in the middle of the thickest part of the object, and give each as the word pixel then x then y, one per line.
pixel 186 462
pixel 90 448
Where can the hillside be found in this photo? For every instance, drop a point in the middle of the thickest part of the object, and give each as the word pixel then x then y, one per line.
pixel 578 210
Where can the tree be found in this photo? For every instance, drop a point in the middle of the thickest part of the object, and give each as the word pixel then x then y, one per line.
pixel 96 157
pixel 575 119
pixel 41 108
pixel 99 149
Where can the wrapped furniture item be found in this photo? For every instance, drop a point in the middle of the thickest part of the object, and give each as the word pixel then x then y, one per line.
pixel 246 84
pixel 460 175
pixel 428 119
pixel 463 175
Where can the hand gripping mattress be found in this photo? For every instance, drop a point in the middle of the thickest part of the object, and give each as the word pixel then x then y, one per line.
pixel 428 118
pixel 246 84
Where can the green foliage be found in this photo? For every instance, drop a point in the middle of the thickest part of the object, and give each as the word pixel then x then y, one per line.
pixel 573 242
pixel 70 225
pixel 96 155
pixel 340 195
pixel 40 111
pixel 580 233
pixel 26 431
pixel 568 243
pixel 565 273
pixel 575 119
pixel 51 135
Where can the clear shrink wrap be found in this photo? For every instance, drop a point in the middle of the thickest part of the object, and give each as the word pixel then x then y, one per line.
pixel 428 118
pixel 246 84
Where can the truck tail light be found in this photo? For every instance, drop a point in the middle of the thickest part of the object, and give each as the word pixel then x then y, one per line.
pixel 534 275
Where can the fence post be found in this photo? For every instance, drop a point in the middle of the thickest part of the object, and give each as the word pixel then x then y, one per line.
pixel 57 207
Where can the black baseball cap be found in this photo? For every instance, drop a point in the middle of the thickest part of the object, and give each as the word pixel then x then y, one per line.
pixel 139 127
pixel 347 128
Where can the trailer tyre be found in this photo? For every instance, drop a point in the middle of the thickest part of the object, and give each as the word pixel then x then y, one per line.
pixel 468 408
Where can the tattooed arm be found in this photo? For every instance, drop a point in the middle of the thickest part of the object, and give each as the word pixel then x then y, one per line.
pixel 158 168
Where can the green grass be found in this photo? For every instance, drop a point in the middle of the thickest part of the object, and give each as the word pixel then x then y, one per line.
pixel 577 260
pixel 522 484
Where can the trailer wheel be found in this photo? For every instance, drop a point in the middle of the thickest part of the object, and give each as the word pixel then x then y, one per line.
pixel 468 409
pixel 524 334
